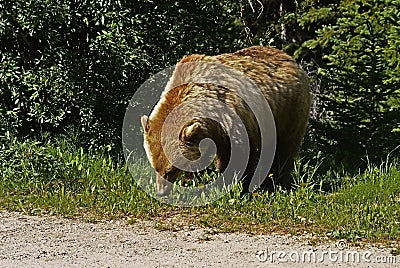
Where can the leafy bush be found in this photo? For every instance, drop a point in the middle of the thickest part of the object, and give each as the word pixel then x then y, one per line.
pixel 360 79
pixel 76 64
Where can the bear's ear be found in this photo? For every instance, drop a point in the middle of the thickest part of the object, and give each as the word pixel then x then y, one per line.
pixel 145 122
pixel 191 133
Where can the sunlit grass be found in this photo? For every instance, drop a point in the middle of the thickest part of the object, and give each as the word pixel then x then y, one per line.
pixel 43 178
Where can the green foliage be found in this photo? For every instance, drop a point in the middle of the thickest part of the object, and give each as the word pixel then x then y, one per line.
pixel 67 64
pixel 28 161
pixel 75 65
pixel 359 79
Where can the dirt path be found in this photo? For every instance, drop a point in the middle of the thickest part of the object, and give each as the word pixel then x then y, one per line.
pixel 30 241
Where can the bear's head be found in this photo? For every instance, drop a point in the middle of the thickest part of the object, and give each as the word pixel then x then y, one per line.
pixel 196 139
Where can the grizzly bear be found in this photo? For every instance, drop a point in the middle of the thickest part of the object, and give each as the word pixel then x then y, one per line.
pixel 283 85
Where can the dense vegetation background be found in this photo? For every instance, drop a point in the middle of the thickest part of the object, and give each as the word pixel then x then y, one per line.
pixel 69 68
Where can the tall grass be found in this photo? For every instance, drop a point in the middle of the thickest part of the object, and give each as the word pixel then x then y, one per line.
pixel 58 178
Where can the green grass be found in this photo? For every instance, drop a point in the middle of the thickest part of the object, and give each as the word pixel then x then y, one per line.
pixel 43 178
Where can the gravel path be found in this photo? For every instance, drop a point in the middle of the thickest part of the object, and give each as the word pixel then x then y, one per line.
pixel 31 241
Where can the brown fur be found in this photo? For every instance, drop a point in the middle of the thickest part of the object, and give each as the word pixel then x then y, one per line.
pixel 284 85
